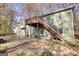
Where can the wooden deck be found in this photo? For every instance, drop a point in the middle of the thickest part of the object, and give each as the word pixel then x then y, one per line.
pixel 38 21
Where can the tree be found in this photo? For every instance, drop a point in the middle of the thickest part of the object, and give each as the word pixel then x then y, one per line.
pixel 3 5
pixel 6 17
pixel 35 8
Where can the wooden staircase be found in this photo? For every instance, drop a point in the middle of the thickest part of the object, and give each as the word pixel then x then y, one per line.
pixel 33 21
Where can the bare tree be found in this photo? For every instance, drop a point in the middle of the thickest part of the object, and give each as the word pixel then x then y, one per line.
pixel 34 9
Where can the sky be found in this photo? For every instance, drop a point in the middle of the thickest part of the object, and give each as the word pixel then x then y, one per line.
pixel 18 8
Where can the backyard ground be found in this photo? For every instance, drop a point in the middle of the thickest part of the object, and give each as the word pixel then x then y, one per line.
pixel 21 46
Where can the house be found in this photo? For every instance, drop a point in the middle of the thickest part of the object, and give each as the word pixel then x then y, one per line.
pixel 59 24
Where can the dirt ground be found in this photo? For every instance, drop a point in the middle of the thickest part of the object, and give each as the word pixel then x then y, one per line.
pixel 40 47
pixel 37 47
